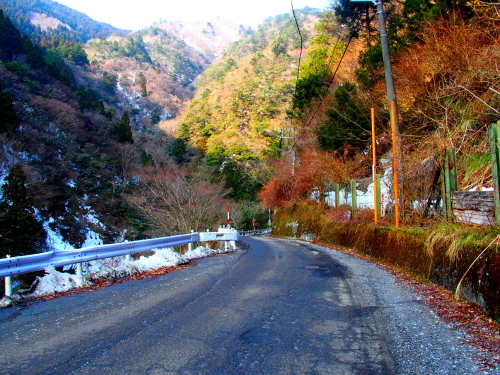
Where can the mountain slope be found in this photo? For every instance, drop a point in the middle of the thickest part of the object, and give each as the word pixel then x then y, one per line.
pixel 83 131
pixel 62 125
pixel 240 108
pixel 243 97
pixel 209 38
pixel 151 70
pixel 48 19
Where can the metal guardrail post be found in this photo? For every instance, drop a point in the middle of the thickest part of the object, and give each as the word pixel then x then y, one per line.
pixel 190 245
pixel 128 257
pixel 8 284
pixel 79 274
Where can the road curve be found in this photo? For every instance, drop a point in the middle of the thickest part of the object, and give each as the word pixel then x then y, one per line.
pixel 279 307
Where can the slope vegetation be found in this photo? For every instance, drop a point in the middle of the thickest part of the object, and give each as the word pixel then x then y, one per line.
pixel 240 107
pixel 447 88
pixel 49 19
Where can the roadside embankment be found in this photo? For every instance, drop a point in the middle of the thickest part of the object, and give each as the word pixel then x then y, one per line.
pixel 463 259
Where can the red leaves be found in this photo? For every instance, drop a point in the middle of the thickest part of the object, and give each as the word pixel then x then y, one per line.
pixel 311 170
pixel 483 333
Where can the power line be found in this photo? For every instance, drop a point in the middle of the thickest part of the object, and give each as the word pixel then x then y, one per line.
pixel 296 82
pixel 334 74
pixel 329 62
pixel 329 84
pixel 301 42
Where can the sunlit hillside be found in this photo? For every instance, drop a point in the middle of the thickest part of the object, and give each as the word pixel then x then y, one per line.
pixel 240 109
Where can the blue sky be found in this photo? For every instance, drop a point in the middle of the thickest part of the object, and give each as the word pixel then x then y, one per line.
pixel 134 15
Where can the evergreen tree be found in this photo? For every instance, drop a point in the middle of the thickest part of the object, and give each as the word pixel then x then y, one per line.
pixel 109 81
pixel 307 90
pixel 347 121
pixel 141 80
pixel 8 117
pixel 242 185
pixel 146 159
pixel 155 115
pixel 10 38
pixel 124 130
pixel 20 231
pixel 178 150
pixel 90 100
pixel 34 55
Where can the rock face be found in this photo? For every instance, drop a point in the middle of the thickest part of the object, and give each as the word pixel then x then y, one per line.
pixel 474 207
pixel 209 38
pixel 45 22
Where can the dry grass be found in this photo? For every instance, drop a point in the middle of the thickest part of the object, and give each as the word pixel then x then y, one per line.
pixel 456 239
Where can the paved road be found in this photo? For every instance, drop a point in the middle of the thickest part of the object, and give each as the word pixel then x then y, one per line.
pixel 282 307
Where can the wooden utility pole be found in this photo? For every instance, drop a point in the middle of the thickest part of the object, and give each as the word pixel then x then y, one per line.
pixel 450 180
pixel 391 98
pixel 494 135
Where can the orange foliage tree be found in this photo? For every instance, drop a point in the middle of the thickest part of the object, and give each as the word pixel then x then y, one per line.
pixel 313 172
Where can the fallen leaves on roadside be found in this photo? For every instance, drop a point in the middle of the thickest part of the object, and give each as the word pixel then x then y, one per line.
pixel 482 332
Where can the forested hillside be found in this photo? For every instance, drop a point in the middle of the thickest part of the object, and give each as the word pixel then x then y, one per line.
pixel 80 145
pixel 47 19
pixel 61 149
pixel 83 156
pixel 447 84
pixel 81 123
pixel 238 116
pixel 151 68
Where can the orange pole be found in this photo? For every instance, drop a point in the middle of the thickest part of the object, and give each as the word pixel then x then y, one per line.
pixel 395 162
pixel 374 169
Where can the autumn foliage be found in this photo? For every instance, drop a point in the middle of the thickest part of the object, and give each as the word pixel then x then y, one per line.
pixel 312 171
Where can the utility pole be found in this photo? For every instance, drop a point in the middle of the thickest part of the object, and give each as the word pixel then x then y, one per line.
pixel 391 99
pixel 289 133
pixel 384 41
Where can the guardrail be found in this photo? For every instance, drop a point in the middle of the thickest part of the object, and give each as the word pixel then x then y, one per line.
pixel 254 232
pixel 36 262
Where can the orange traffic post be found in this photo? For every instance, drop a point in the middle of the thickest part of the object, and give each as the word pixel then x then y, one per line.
pixel 395 165
pixel 374 169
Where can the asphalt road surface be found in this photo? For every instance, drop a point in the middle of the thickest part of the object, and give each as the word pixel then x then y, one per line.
pixel 278 307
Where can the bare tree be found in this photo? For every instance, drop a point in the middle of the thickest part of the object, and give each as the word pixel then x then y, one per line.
pixel 176 201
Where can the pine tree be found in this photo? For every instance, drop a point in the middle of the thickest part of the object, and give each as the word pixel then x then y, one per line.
pixel 178 150
pixel 20 231
pixel 141 80
pixel 8 118
pixel 10 38
pixel 146 159
pixel 124 130
pixel 346 121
